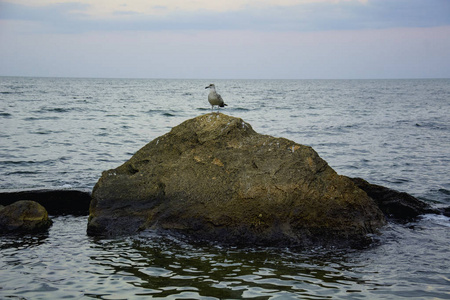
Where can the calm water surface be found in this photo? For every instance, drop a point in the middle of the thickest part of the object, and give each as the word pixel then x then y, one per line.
pixel 408 262
pixel 62 133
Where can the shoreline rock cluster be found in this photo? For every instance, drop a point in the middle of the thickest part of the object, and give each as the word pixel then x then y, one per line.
pixel 27 211
pixel 213 178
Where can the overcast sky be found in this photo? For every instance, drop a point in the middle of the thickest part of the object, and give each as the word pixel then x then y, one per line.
pixel 208 39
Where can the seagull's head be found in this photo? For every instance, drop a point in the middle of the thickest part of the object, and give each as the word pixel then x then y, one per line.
pixel 211 86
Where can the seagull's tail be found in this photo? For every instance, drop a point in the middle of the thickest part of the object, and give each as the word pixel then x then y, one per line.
pixel 223 105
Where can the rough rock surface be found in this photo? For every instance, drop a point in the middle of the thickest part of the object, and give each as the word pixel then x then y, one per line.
pixel 214 178
pixel 396 205
pixel 23 216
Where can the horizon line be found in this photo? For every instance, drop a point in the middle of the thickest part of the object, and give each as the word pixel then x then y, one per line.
pixel 184 78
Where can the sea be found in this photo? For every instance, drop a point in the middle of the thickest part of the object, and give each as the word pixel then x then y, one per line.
pixel 61 133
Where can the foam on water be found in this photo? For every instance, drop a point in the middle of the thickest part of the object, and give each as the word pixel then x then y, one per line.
pixel 437 219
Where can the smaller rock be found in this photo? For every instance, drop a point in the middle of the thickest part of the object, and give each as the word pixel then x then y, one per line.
pixel 396 205
pixel 56 202
pixel 24 216
pixel 446 211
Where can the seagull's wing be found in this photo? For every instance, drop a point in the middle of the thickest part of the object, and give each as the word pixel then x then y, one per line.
pixel 222 104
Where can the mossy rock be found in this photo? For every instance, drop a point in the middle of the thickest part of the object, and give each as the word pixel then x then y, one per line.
pixel 214 178
pixel 24 216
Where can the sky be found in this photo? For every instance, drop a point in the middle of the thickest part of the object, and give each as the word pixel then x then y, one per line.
pixel 233 39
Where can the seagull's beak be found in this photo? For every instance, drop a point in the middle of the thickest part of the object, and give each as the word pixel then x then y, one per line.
pixel 207 87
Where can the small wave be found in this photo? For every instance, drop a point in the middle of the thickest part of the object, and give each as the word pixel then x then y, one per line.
pixel 66 186
pixel 54 110
pixel 432 125
pixel 162 112
pixel 26 162
pixel 40 118
pixel 363 151
pixel 444 191
pixel 283 108
pixel 10 93
pixel 23 172
pixel 5 115
pixel 437 219
pixel 157 111
pixel 59 109
pixel 13 162
pixel 42 132
pixel 397 181
pixel 240 109
pixel 335 144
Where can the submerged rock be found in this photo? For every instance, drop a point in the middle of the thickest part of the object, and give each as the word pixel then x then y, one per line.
pixel 24 216
pixel 446 211
pixel 214 178
pixel 396 205
pixel 57 202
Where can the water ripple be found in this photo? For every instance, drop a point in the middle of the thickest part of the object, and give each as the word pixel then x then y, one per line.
pixel 65 132
pixel 67 263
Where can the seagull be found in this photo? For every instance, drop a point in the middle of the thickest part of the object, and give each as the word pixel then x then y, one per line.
pixel 214 98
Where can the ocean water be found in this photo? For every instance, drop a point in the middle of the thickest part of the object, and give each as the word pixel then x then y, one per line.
pixel 62 133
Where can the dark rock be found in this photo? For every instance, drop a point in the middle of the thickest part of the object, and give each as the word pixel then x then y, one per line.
pixel 446 211
pixel 24 216
pixel 214 178
pixel 57 202
pixel 396 205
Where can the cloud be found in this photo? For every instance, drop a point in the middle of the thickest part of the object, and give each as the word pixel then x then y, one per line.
pixel 268 15
pixel 102 8
pixel 241 39
pixel 386 53
pixel 61 17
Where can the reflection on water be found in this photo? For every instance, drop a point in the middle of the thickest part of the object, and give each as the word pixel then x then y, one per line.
pixel 166 267
pixel 68 264
pixel 22 242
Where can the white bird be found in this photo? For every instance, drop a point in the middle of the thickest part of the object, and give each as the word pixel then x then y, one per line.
pixel 214 98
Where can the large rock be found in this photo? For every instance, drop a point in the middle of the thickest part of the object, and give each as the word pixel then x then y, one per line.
pixel 23 216
pixel 214 178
